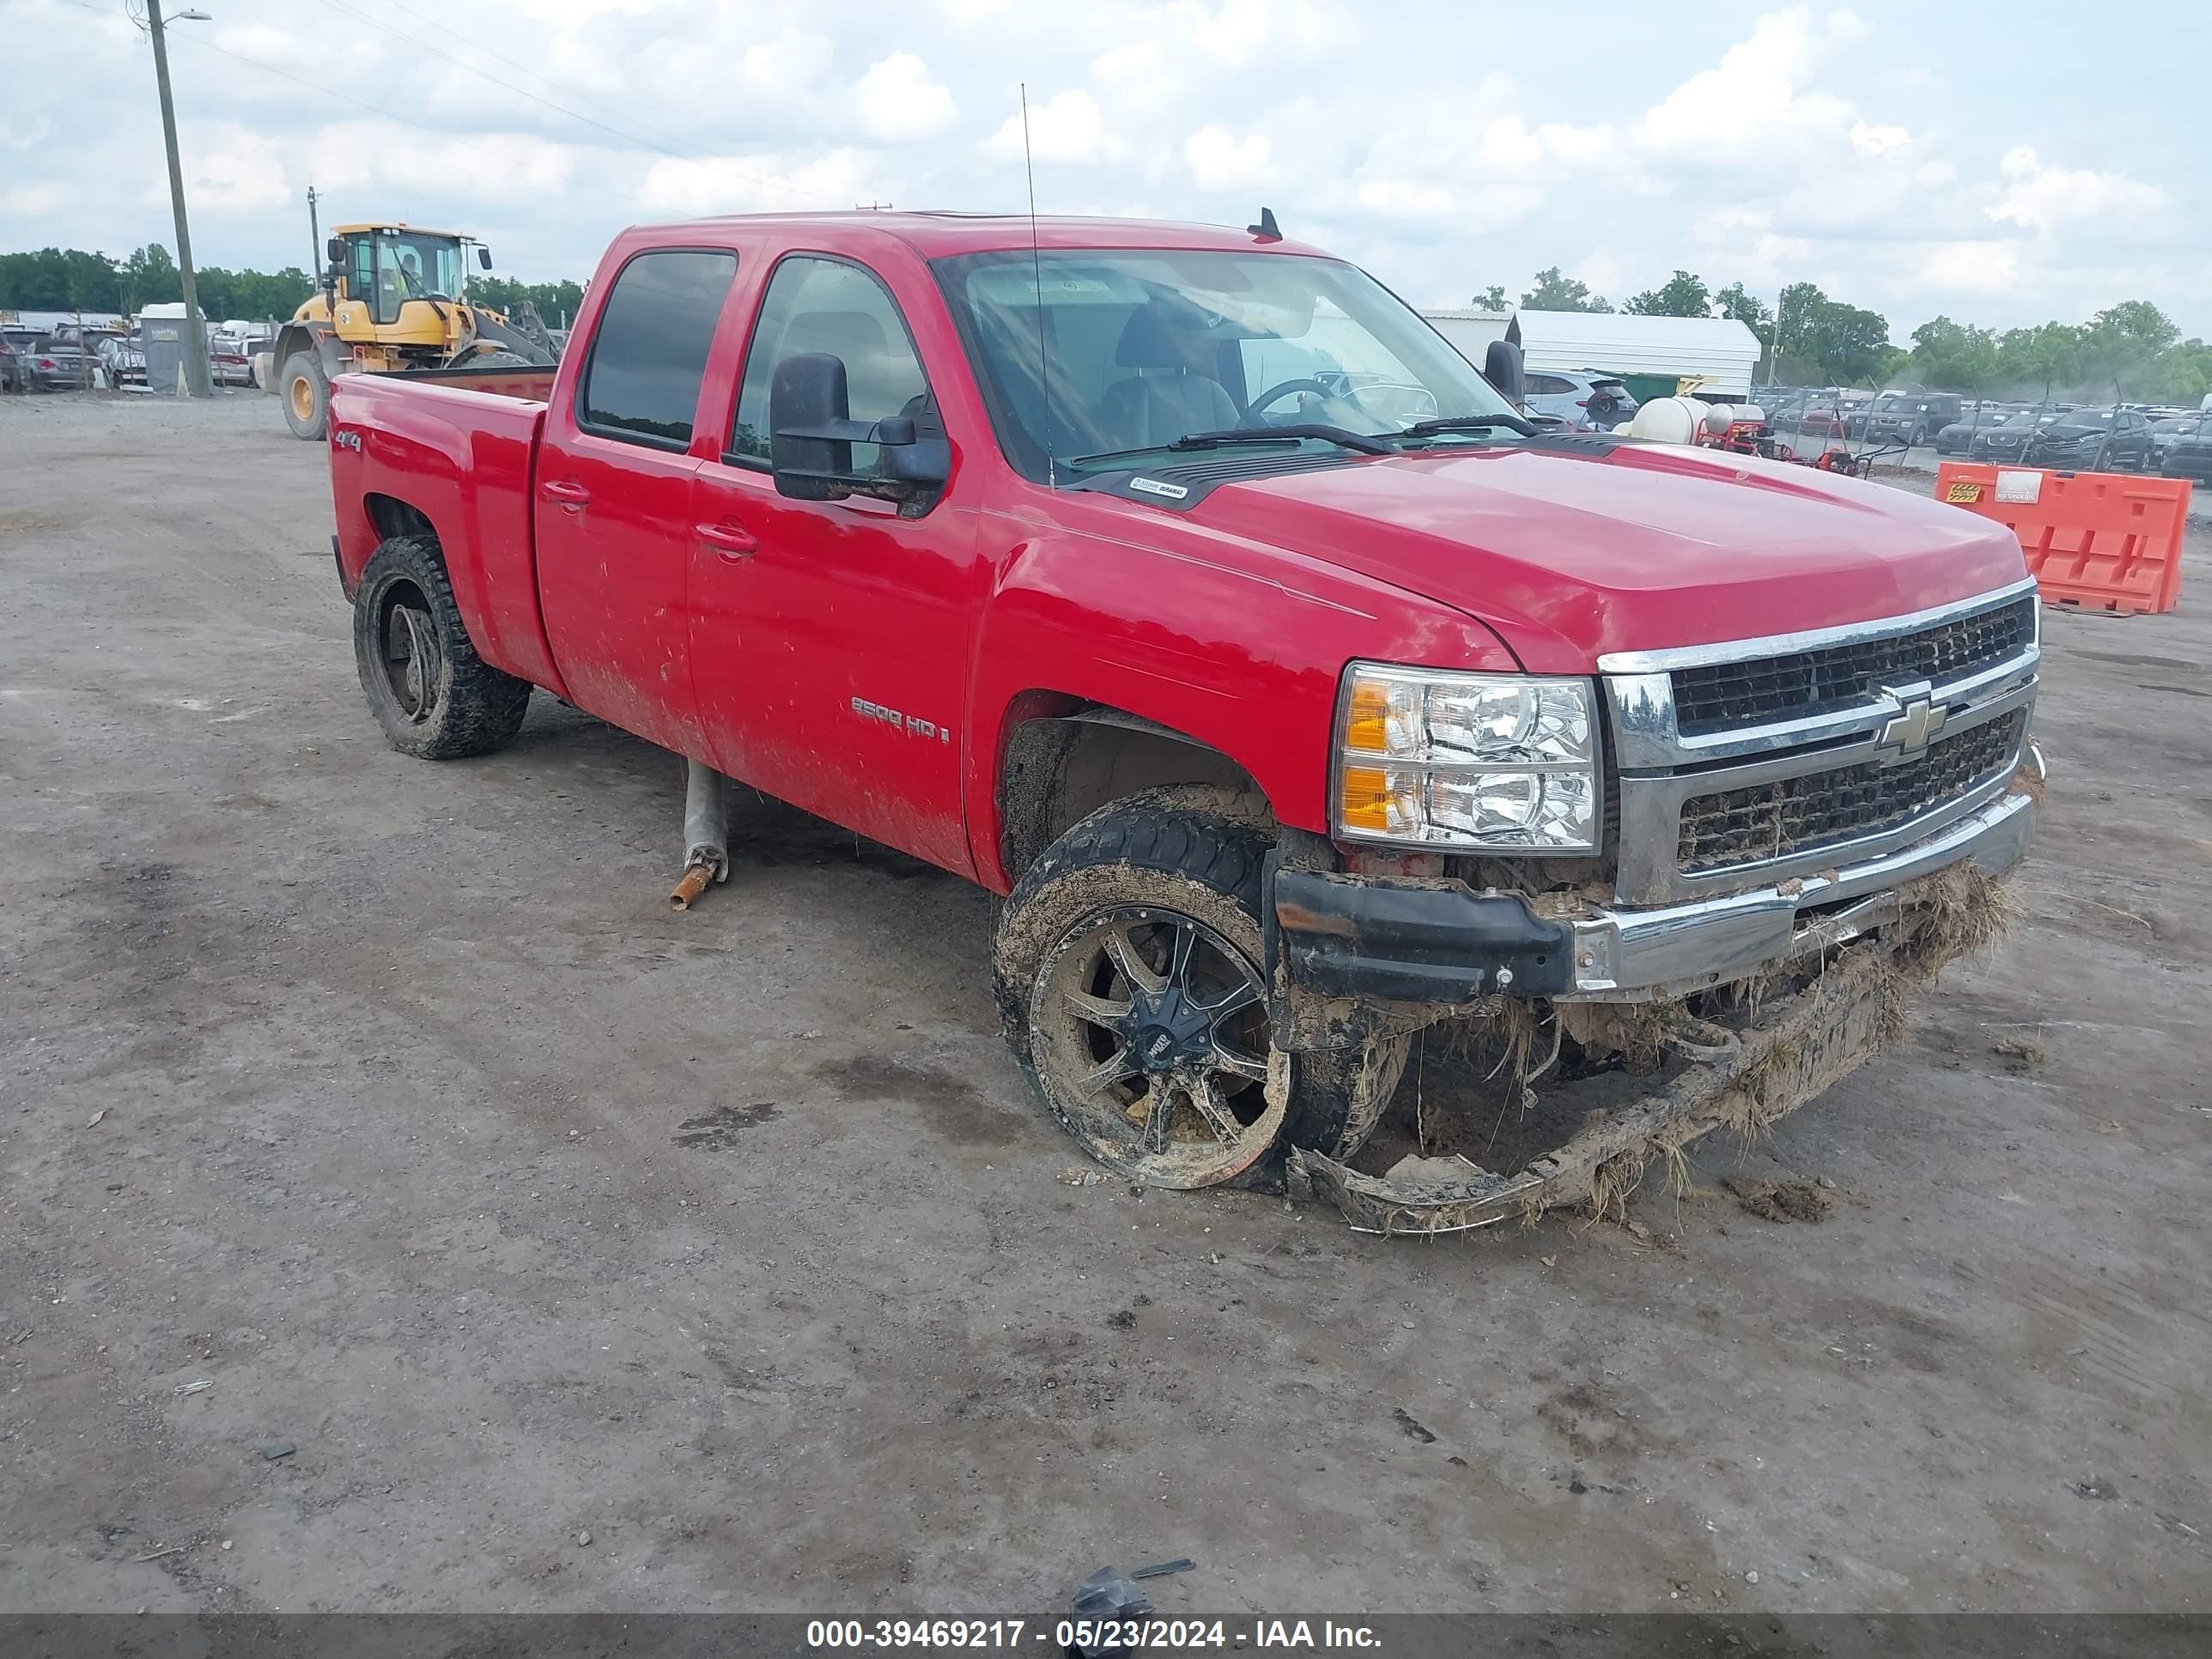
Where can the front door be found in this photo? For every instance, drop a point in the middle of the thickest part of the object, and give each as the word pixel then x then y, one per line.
pixel 829 639
pixel 615 527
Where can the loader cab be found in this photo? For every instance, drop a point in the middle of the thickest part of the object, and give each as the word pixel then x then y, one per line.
pixel 399 281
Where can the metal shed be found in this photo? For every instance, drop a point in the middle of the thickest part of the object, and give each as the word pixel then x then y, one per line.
pixel 1655 354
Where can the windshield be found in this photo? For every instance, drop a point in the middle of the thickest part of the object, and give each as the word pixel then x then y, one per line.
pixel 1142 346
pixel 419 267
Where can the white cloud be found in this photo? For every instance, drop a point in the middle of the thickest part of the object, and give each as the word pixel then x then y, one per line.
pixel 899 101
pixel 1232 31
pixel 1575 145
pixel 1508 145
pixel 759 182
pixel 1141 60
pixel 1404 198
pixel 1987 268
pixel 1220 160
pixel 1066 127
pixel 1870 140
pixel 243 172
pixel 1753 91
pixel 790 62
pixel 2040 197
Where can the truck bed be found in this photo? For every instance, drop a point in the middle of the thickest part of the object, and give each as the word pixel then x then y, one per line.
pixel 530 382
pixel 459 447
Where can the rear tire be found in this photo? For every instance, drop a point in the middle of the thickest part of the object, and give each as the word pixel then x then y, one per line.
pixel 306 394
pixel 1136 878
pixel 433 697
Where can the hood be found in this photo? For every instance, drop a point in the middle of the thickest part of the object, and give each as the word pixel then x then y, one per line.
pixel 1568 554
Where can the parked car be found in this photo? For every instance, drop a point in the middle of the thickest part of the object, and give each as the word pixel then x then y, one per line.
pixel 2166 433
pixel 230 362
pixel 1285 726
pixel 2092 441
pixel 124 356
pixel 45 364
pixel 2188 453
pixel 2009 441
pixel 1910 418
pixel 1586 399
pixel 11 365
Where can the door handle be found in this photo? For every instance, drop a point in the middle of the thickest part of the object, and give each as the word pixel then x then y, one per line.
pixel 731 541
pixel 568 495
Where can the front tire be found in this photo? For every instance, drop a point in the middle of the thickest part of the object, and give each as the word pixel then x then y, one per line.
pixel 307 392
pixel 1128 974
pixel 433 697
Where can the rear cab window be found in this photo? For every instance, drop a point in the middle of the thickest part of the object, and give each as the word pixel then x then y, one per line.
pixel 649 354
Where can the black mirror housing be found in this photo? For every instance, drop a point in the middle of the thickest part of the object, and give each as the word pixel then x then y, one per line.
pixel 483 256
pixel 812 434
pixel 1502 367
pixel 807 398
pixel 334 249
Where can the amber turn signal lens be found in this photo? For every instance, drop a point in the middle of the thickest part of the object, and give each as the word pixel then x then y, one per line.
pixel 1366 803
pixel 1367 721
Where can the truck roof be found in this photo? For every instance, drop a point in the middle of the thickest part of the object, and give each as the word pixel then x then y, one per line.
pixel 936 235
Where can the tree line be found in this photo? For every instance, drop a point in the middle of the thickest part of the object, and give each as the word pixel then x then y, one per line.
pixel 70 279
pixel 2132 351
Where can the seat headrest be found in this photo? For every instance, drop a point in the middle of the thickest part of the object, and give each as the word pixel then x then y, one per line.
pixel 1150 340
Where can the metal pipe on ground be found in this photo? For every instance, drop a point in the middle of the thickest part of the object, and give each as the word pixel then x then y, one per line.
pixel 706 834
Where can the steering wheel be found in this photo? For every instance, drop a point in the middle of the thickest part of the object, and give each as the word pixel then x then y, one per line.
pixel 1283 389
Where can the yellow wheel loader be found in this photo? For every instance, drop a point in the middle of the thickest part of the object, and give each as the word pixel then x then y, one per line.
pixel 394 298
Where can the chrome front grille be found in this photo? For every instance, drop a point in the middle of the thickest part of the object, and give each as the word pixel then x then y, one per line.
pixel 1750 762
pixel 1816 811
pixel 1715 696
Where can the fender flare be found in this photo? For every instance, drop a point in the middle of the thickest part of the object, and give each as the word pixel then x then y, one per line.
pixel 320 338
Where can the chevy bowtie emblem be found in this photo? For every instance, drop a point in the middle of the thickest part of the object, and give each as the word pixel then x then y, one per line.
pixel 1919 720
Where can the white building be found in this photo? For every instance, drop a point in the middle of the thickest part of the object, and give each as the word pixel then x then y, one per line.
pixel 1712 356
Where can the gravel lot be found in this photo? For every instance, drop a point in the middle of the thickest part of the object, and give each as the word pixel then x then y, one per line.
pixel 382 1109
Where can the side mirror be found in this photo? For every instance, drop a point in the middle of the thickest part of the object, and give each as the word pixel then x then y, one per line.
pixel 334 249
pixel 812 434
pixel 483 256
pixel 1502 367
pixel 807 398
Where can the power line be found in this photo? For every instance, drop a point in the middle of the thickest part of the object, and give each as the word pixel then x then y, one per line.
pixel 392 115
pixel 582 97
pixel 341 6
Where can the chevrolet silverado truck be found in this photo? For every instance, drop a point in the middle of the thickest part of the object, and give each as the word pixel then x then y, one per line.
pixel 1186 589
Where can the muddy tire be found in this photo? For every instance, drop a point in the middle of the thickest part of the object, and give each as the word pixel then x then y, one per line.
pixel 306 394
pixel 433 697
pixel 1128 974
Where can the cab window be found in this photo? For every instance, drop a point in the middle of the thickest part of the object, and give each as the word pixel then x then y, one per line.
pixel 649 354
pixel 816 304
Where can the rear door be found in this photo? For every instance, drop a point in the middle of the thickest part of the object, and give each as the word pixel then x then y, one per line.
pixel 829 639
pixel 614 496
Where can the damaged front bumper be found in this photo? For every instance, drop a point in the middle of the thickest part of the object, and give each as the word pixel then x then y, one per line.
pixel 1393 939
pixel 1362 958
pixel 1741 1080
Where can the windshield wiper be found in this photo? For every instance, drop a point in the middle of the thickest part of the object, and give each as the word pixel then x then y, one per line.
pixel 1470 424
pixel 1343 437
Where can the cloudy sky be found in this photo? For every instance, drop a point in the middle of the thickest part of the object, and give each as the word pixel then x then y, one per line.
pixel 2005 164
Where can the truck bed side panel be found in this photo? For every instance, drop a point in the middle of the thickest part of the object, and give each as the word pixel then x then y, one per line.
pixel 464 459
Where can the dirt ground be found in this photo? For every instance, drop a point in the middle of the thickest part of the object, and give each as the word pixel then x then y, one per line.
pixel 382 1110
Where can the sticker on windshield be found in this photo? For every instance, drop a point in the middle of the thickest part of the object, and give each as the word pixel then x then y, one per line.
pixel 1155 487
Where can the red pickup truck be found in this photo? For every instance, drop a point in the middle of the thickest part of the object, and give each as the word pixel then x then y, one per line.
pixel 1185 587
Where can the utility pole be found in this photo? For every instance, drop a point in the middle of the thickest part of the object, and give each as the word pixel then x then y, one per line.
pixel 314 233
pixel 196 359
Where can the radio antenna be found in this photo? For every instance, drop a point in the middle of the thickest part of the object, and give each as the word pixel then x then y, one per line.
pixel 1037 278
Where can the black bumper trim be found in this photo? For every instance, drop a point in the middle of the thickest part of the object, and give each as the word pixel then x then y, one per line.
pixel 1410 941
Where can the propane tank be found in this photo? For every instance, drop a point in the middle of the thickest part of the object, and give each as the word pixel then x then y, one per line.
pixel 1751 413
pixel 1665 421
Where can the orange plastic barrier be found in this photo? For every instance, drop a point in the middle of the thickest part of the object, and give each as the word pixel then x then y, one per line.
pixel 2101 541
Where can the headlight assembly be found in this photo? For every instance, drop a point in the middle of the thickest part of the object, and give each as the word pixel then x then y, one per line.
pixel 1436 758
